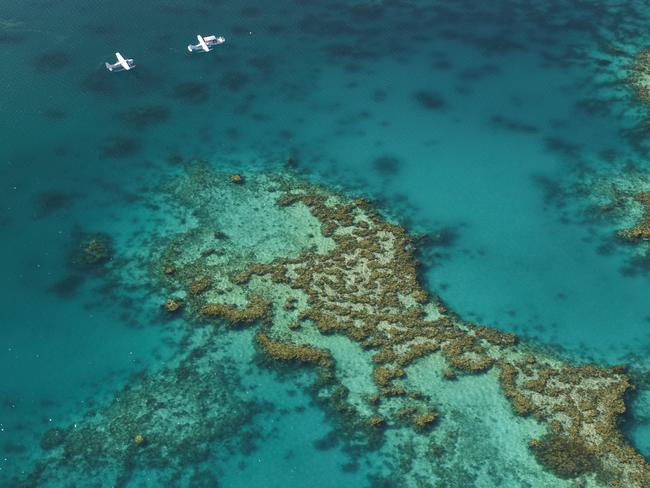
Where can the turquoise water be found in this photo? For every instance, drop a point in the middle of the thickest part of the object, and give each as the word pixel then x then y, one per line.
pixel 477 119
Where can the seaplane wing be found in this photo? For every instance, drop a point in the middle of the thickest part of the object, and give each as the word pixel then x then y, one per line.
pixel 123 62
pixel 202 43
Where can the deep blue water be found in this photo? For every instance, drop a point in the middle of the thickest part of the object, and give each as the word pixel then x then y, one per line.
pixel 464 116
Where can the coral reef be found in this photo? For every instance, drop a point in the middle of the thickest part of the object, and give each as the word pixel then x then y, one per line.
pixel 425 420
pixel 642 229
pixel 639 76
pixel 94 250
pixel 563 455
pixel 581 405
pixel 358 279
pixel 283 351
pixel 256 309
pixel 199 285
pixel 52 439
pixel 172 305
pixel 376 421
pixel 165 421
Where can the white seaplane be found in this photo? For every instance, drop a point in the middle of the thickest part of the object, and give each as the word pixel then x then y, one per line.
pixel 121 65
pixel 205 44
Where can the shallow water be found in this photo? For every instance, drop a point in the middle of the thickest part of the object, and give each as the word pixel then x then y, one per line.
pixel 473 119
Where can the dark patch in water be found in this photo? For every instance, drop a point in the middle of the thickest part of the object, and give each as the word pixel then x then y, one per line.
pixel 329 441
pixel 442 65
pixel 262 64
pixel 636 265
pixel 174 158
pixel 145 116
pixel 234 80
pixel 13 448
pixel 102 29
pixel 430 100
pixel 12 37
pixel 67 287
pixel 364 12
pixel 249 11
pixel 478 73
pixel 609 155
pixel 319 26
pixel 98 82
pixel 463 90
pixel 433 247
pixel 233 133
pixel 54 113
pixel 248 442
pixel 512 125
pixel 350 467
pixel 353 51
pixel 50 202
pixel 606 249
pixel 119 147
pixel 51 61
pixel 379 95
pixel 386 165
pixel 192 92
pixel 552 191
pixel 594 106
pixel 276 29
pixel 566 148
pixel 442 238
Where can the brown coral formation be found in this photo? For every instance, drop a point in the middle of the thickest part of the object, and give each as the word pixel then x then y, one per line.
pixel 198 286
pixel 376 421
pixel 425 420
pixel 566 457
pixel 640 231
pixel 94 250
pixel 172 305
pixel 494 336
pixel 256 309
pixel 581 404
pixel 283 351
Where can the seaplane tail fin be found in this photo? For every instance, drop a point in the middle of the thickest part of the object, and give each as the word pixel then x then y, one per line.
pixel 108 66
